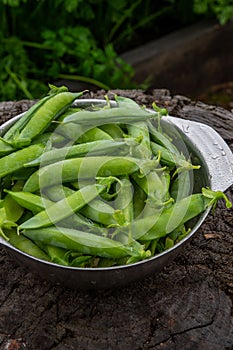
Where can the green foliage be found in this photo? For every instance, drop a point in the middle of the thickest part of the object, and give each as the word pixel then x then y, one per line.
pixel 60 39
pixel 222 9
pixel 46 41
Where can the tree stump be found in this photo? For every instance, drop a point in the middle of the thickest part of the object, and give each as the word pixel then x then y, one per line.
pixel 187 306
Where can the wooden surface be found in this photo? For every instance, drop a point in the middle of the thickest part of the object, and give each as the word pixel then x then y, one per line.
pixel 188 306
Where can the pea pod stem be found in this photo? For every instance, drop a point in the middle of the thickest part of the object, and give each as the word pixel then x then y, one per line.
pixel 5 147
pixel 172 159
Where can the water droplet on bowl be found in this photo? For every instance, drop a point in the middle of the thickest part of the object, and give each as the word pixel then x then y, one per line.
pixel 215 156
pixel 185 128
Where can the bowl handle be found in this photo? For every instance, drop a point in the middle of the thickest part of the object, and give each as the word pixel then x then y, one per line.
pixel 212 149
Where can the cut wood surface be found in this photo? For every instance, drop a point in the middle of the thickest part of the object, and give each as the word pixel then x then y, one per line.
pixel 187 306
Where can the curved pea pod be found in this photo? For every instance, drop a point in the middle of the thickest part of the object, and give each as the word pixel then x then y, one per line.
pixel 16 160
pixel 64 208
pixel 43 116
pixel 25 245
pixel 83 242
pixel 29 200
pixel 93 134
pixel 36 204
pixel 124 203
pixel 21 122
pixel 13 210
pixel 140 129
pixel 169 219
pixel 139 200
pixel 123 114
pixel 102 147
pixel 99 211
pixel 88 167
pixel 81 134
pixel 124 199
pixel 162 139
pixel 182 186
pixel 77 221
pixel 49 138
pixel 113 130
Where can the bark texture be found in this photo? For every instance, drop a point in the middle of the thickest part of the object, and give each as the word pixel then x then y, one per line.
pixel 186 306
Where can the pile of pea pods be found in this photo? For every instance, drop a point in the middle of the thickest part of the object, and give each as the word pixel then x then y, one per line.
pixel 97 185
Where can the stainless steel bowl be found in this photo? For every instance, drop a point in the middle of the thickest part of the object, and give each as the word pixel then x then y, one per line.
pixel 216 160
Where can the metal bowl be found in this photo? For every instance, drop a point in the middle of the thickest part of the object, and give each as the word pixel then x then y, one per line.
pixel 206 147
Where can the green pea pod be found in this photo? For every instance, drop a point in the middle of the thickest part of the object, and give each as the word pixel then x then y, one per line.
pixel 80 241
pixel 124 203
pixel 182 186
pixel 113 130
pixel 29 200
pixel 64 208
pixel 99 211
pixel 49 138
pixel 56 255
pixel 140 129
pixel 124 200
pixel 14 211
pixel 21 122
pixel 162 139
pixel 43 116
pixel 16 160
pixel 88 167
pixel 82 261
pixel 36 204
pixel 139 200
pixel 57 192
pixel 122 114
pixel 102 147
pixel 93 134
pixel 169 219
pixel 26 245
pixel 77 221
pixel 81 134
